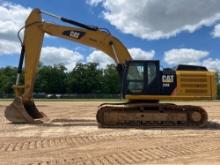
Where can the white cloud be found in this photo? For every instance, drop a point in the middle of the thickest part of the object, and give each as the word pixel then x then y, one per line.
pixel 212 64
pixel 139 54
pixel 184 56
pixel 54 55
pixel 103 59
pixel 174 57
pixel 216 32
pixel 155 19
pixel 100 58
pixel 9 47
pixel 12 19
pixel 94 2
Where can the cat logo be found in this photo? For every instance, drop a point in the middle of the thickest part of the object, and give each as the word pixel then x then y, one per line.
pixel 168 78
pixel 74 34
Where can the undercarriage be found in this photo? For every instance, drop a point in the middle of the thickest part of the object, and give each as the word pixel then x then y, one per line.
pixel 122 115
pixel 142 115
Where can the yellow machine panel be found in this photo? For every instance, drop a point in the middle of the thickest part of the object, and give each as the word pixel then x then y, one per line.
pixel 196 84
pixel 190 85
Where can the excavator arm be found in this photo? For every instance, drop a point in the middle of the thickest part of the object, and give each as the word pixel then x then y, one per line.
pixel 23 108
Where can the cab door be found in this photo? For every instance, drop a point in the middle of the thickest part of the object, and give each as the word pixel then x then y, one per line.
pixel 152 74
pixel 134 80
pixel 142 78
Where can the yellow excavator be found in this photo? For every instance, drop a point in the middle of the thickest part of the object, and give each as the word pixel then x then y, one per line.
pixel 144 84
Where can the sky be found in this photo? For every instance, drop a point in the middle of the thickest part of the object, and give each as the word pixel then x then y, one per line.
pixel 174 32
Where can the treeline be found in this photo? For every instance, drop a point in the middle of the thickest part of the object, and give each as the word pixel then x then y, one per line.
pixel 83 79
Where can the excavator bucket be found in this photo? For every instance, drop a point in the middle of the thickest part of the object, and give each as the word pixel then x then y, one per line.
pixel 24 112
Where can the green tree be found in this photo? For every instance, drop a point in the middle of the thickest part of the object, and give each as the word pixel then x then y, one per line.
pixel 51 79
pixel 111 82
pixel 84 78
pixel 7 79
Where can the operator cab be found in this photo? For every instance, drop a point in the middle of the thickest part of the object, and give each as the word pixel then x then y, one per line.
pixel 145 78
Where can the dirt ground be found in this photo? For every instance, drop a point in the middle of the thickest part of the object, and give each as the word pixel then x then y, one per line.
pixel 72 137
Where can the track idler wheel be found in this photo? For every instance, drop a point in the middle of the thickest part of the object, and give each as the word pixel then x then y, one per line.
pixel 197 116
pixel 24 112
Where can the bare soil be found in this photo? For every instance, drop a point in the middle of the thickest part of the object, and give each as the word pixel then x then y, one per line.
pixel 72 137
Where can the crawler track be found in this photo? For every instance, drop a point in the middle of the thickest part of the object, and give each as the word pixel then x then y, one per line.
pixel 143 115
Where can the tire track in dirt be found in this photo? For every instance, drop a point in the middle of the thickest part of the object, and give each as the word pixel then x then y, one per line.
pixel 33 143
pixel 56 142
pixel 141 155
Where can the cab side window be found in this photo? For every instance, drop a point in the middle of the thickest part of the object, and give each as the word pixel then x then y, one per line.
pixel 151 71
pixel 135 78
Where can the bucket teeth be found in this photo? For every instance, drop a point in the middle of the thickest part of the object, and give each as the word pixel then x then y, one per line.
pixel 20 112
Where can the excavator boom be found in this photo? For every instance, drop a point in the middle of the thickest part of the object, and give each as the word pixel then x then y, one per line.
pixel 23 108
